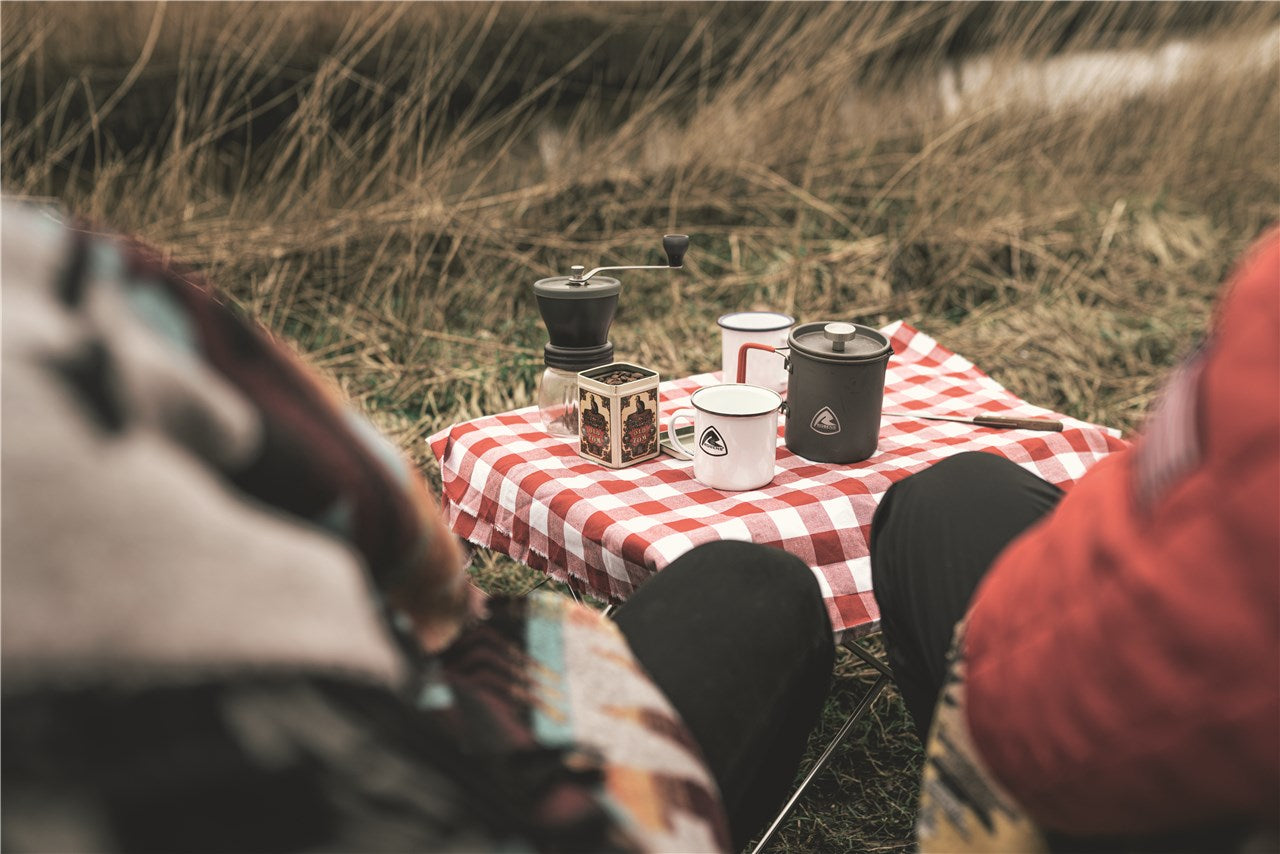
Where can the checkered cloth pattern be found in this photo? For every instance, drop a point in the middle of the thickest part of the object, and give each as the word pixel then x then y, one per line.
pixel 510 486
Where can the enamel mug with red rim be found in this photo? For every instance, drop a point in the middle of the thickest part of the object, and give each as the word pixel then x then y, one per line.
pixel 835 389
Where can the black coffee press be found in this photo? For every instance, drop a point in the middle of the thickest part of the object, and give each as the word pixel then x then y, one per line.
pixel 578 310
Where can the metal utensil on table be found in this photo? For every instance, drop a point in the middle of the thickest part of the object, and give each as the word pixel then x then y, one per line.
pixel 997 421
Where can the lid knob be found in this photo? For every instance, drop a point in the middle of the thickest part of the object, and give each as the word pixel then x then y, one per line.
pixel 839 333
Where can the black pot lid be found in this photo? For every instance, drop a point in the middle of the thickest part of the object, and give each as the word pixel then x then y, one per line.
pixel 563 287
pixel 840 342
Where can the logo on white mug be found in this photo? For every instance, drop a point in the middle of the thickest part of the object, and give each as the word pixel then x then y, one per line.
pixel 712 443
pixel 825 422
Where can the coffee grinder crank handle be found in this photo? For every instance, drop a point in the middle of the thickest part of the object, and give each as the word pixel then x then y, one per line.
pixel 675 245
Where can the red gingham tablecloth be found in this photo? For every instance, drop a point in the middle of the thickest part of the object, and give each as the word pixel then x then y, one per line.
pixel 511 487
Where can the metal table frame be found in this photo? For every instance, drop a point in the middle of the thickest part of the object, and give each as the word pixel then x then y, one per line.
pixel 864 705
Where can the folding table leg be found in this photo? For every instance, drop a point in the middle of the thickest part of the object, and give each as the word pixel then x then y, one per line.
pixel 859 650
pixel 538 584
pixel 863 706
pixel 608 610
pixel 545 579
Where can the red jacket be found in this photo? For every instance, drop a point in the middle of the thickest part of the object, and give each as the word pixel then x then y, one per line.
pixel 1124 654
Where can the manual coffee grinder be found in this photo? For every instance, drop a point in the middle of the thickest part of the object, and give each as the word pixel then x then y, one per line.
pixel 578 310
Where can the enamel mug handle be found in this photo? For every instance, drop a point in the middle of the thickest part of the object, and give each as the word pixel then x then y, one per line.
pixel 742 357
pixel 671 429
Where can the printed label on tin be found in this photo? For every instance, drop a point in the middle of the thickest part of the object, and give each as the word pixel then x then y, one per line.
pixel 593 428
pixel 825 422
pixel 712 443
pixel 639 413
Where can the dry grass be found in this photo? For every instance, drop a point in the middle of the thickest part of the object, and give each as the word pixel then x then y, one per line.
pixel 381 184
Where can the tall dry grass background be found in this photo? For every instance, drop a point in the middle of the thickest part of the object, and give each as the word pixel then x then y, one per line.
pixel 381 184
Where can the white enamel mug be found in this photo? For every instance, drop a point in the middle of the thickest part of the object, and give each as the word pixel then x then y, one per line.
pixel 735 430
pixel 755 327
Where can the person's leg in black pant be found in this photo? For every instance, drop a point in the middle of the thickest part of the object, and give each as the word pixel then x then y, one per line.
pixel 933 538
pixel 737 636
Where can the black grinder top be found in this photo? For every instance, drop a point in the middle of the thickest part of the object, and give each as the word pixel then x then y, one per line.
pixel 578 316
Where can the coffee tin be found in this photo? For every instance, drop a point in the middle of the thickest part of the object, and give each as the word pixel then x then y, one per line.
pixel 618 414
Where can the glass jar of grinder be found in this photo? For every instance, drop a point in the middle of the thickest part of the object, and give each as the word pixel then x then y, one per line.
pixel 578 310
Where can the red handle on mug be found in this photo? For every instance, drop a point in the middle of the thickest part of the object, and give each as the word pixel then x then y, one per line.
pixel 742 357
